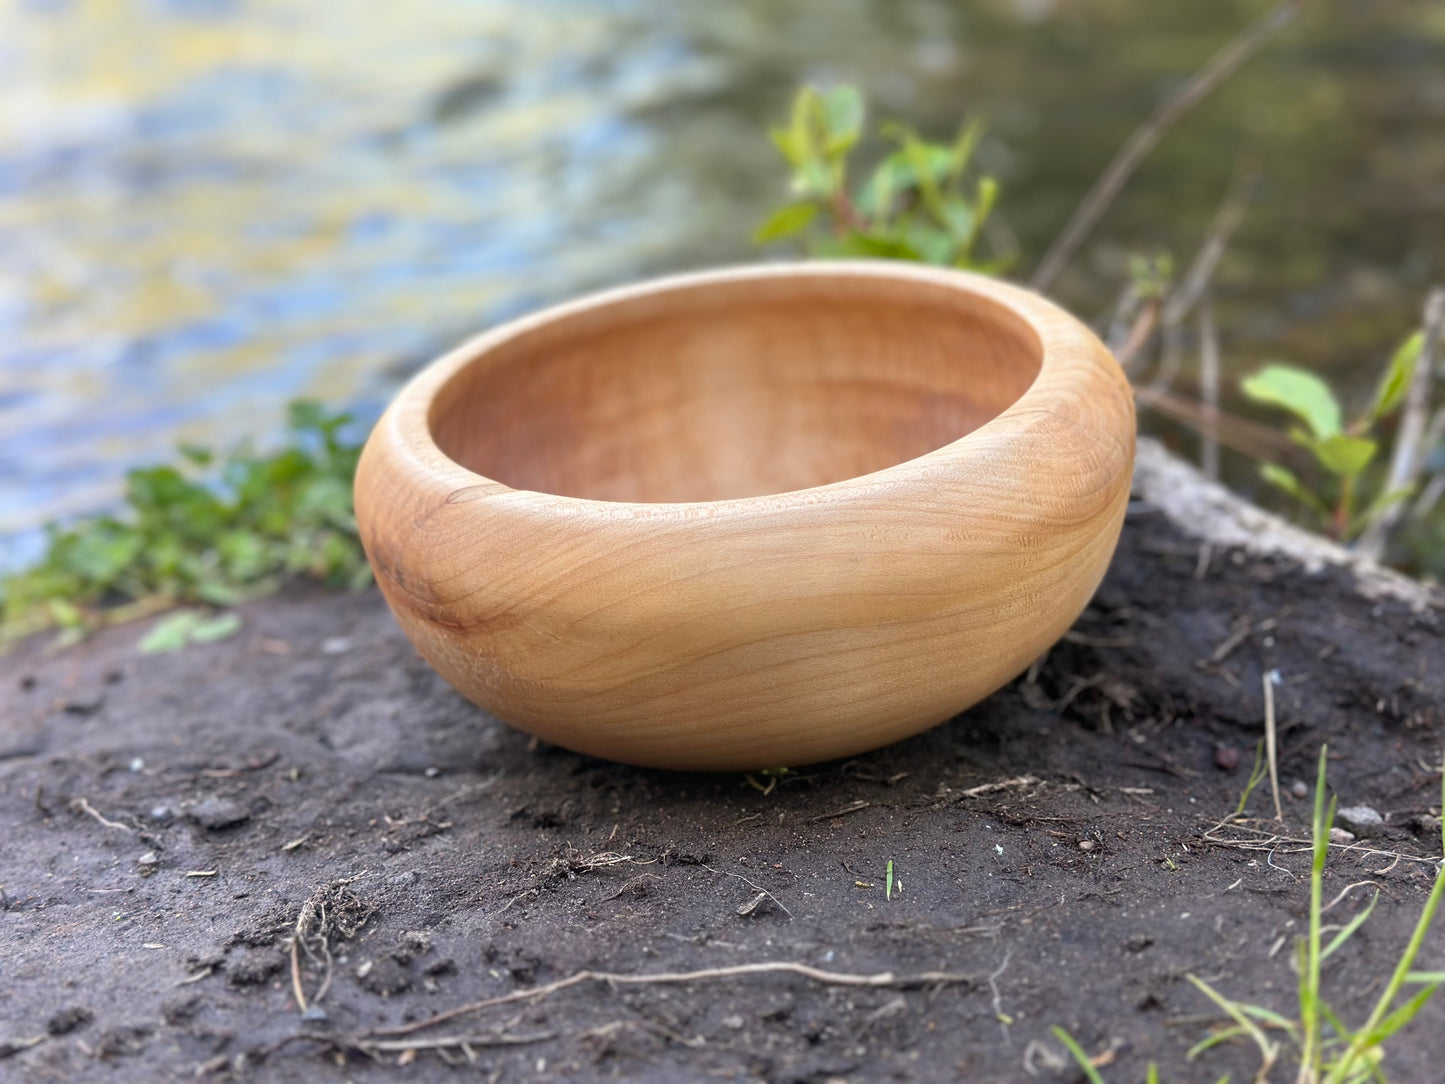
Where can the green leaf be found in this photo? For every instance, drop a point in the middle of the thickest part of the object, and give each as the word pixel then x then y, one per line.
pixel 1350 927
pixel 842 113
pixel 217 628
pixel 1302 393
pixel 1080 1058
pixel 1345 455
pixel 963 147
pixel 788 146
pixel 1378 506
pixel 1284 479
pixel 1398 375
pixel 785 222
pixel 170 633
pixel 877 248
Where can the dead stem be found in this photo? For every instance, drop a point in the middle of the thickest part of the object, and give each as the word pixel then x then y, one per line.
pixel 1219 68
pixel 883 980
pixel 82 806
pixel 1271 742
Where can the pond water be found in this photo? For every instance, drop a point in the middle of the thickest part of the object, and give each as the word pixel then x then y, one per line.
pixel 210 207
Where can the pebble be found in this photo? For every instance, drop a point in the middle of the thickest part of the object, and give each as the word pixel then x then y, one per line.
pixel 217 813
pixel 160 812
pixel 148 863
pixel 1362 820
pixel 1298 789
pixel 1339 835
pixel 1226 757
pixel 734 1022
pixel 315 1014
pixel 410 877
pixel 336 645
pixel 1087 844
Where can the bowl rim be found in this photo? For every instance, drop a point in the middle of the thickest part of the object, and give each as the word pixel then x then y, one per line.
pixel 1070 354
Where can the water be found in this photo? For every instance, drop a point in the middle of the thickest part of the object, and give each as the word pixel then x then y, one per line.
pixel 209 207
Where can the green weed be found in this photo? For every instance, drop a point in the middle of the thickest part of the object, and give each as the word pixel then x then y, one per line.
pixel 1342 451
pixel 917 203
pixel 1329 1051
pixel 210 529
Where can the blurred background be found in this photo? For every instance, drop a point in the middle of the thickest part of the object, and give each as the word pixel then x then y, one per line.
pixel 211 207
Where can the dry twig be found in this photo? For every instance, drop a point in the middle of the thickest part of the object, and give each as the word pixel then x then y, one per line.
pixel 884 980
pixel 1414 440
pixel 1145 138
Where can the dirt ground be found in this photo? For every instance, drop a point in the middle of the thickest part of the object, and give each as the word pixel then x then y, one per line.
pixel 170 820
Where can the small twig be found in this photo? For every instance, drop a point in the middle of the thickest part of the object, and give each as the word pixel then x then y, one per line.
pixel 1138 335
pixel 301 1002
pixel 1241 434
pixel 852 807
pixel 1209 389
pixel 1413 439
pixel 383 1046
pixel 1270 742
pixel 884 979
pixel 83 806
pixel 1219 68
pixel 1002 784
pixel 753 885
pixel 997 973
pixel 1216 239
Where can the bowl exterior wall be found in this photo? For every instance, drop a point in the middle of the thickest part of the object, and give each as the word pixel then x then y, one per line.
pixel 771 631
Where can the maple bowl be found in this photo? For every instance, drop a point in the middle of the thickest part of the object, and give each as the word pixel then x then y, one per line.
pixel 748 518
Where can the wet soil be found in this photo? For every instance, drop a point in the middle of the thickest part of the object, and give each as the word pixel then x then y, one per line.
pixel 170 820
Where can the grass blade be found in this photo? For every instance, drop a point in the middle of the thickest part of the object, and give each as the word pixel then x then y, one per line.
pixel 1350 927
pixel 1077 1051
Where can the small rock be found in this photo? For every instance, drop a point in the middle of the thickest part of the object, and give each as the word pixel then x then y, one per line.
pixel 384 977
pixel 84 704
pixel 137 764
pixel 336 645
pixel 734 1022
pixel 1339 835
pixel 410 877
pixel 1299 789
pixel 315 1015
pixel 217 813
pixel 68 1020
pixel 1087 844
pixel 1226 757
pixel 1361 820
pixel 160 813
pixel 148 863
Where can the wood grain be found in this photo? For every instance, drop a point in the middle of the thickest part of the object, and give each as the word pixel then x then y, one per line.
pixel 753 517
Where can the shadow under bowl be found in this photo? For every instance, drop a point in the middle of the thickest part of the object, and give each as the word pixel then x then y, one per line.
pixel 755 517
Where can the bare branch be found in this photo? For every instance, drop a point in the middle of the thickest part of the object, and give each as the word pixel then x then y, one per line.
pixel 1145 138
pixel 1413 438
pixel 1209 389
pixel 885 979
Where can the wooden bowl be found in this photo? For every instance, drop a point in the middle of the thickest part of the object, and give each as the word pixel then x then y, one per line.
pixel 754 517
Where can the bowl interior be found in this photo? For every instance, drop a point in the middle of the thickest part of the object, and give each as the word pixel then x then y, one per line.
pixel 735 388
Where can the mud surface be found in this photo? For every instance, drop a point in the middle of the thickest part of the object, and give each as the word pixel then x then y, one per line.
pixel 170 820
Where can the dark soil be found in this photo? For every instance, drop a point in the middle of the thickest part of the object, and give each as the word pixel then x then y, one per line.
pixel 1047 845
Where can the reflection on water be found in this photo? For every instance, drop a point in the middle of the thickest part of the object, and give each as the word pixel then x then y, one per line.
pixel 208 207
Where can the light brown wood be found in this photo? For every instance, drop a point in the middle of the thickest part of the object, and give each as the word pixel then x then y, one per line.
pixel 755 517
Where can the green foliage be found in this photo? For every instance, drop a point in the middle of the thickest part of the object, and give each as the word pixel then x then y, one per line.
pixel 1330 1052
pixel 210 529
pixel 917 204
pixel 1343 452
pixel 186 627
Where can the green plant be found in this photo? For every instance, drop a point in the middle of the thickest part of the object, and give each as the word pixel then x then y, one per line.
pixel 1330 1052
pixel 1343 452
pixel 211 530
pixel 915 205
